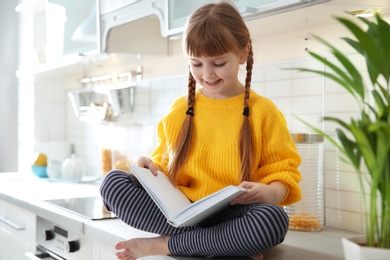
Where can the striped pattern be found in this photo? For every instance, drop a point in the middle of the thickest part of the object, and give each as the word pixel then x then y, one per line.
pixel 241 230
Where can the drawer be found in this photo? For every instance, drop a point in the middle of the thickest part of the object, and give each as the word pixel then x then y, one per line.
pixel 17 224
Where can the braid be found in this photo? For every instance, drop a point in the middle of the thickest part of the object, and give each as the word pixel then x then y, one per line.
pixel 183 143
pixel 248 79
pixel 191 90
pixel 246 144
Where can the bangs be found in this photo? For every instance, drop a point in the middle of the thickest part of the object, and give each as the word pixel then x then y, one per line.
pixel 209 38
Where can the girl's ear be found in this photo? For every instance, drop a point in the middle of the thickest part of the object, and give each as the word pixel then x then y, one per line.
pixel 244 54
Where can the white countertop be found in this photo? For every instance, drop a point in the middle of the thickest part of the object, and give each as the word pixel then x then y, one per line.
pixel 30 193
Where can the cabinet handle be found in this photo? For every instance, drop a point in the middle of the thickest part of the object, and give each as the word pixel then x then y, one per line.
pixel 11 224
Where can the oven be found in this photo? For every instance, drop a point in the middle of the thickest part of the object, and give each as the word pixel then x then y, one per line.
pixel 59 242
pixel 56 241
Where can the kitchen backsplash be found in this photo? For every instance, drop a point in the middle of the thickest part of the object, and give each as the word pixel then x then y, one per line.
pixel 296 94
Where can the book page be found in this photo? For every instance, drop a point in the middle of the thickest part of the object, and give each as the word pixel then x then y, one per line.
pixel 169 199
pixel 207 206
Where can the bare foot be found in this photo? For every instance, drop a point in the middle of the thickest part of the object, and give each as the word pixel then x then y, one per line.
pixel 138 247
pixel 259 256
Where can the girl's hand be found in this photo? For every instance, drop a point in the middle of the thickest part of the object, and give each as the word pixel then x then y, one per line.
pixel 146 162
pixel 272 193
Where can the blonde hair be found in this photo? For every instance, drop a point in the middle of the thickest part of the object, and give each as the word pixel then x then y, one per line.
pixel 213 30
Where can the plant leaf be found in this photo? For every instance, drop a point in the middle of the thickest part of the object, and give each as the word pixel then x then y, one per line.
pixel 349 149
pixel 379 103
pixel 369 48
pixel 331 76
pixel 352 77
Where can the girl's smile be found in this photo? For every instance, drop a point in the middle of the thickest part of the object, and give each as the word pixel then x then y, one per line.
pixel 218 75
pixel 210 83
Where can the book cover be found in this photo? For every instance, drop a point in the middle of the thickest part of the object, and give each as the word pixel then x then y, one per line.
pixel 176 207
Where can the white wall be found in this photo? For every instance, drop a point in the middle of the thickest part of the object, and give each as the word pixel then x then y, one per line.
pixel 8 87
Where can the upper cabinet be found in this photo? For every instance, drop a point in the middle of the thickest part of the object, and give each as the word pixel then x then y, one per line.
pixel 72 27
pixel 133 27
pixel 137 27
pixel 177 11
pixel 176 15
pixel 107 6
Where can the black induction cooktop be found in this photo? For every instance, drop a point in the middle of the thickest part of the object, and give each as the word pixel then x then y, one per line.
pixel 89 207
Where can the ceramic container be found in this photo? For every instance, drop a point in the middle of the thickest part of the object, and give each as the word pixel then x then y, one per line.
pixel 73 169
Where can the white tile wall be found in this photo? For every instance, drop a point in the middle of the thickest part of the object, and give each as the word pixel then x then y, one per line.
pixel 344 208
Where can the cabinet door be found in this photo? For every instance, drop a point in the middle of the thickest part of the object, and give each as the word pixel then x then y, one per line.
pixel 17 231
pixel 12 250
pixel 72 27
pixel 103 251
pixel 177 11
pixel 107 6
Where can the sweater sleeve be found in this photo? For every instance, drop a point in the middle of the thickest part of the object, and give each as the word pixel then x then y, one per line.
pixel 279 158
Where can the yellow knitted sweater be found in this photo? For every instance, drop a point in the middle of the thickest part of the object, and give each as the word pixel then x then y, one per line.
pixel 214 160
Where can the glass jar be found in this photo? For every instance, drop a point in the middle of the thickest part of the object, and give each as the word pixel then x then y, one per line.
pixel 308 214
pixel 121 159
pixel 106 160
pixel 122 146
pixel 112 158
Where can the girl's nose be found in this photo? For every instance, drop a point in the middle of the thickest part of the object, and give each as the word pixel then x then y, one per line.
pixel 208 72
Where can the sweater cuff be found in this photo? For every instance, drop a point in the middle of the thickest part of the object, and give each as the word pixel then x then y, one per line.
pixel 287 193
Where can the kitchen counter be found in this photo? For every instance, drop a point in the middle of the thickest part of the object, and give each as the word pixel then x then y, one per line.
pixel 30 193
pixel 322 245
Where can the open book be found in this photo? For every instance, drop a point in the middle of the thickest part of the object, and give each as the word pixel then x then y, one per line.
pixel 176 207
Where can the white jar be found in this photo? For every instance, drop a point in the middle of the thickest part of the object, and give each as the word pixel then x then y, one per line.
pixel 73 169
pixel 54 169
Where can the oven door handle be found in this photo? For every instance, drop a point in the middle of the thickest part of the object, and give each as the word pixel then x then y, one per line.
pixel 43 254
pixel 32 256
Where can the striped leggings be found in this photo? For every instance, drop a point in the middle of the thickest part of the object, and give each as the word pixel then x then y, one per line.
pixel 240 230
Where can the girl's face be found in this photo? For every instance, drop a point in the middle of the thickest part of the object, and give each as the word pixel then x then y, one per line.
pixel 218 75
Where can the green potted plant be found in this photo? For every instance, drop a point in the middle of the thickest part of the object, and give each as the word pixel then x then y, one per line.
pixel 365 141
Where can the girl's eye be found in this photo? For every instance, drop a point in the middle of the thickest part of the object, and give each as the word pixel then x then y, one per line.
pixel 220 65
pixel 197 64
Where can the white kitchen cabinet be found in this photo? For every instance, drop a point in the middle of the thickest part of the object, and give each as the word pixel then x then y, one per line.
pixel 177 11
pixel 135 27
pixel 107 6
pixel 103 251
pixel 72 27
pixel 17 231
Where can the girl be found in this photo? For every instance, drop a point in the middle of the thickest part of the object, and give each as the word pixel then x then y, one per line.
pixel 220 134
